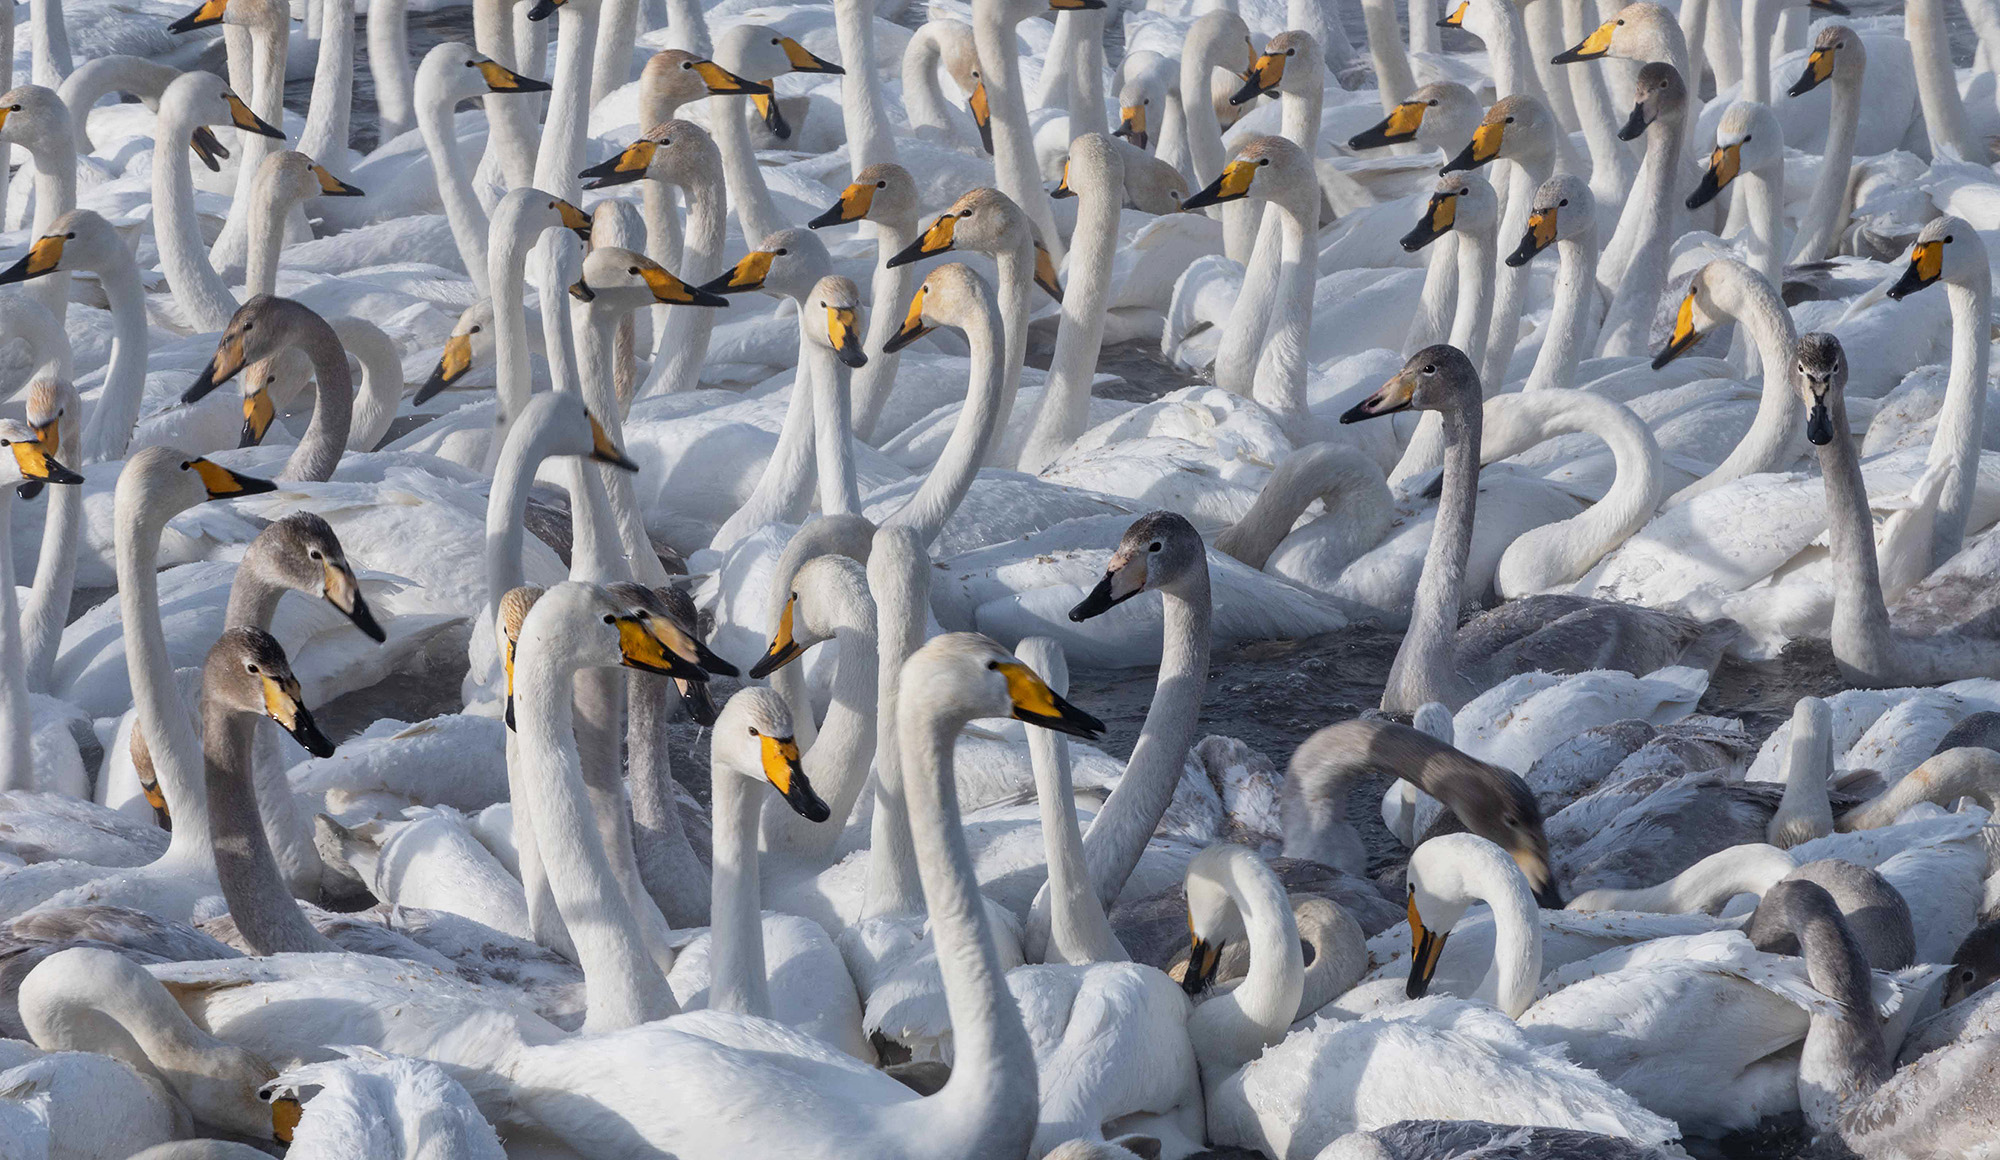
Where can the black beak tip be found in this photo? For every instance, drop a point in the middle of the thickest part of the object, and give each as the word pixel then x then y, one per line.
pixel 1062 193
pixel 248 437
pixel 364 619
pixel 307 734
pixel 29 489
pixel 714 664
pixel 1548 897
pixel 1665 356
pixel 1568 56
pixel 1464 161
pixel 509 715
pixel 192 22
pixel 432 386
pixel 1819 425
pixel 1522 256
pixel 201 387
pixel 542 10
pixel 18 272
pixel 853 358
pixel 830 218
pixel 60 474
pixel 1358 412
pixel 1098 602
pixel 702 297
pixel 717 286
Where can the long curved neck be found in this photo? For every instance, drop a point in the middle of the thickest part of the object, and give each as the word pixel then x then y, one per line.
pixel 1572 321
pixel 1079 932
pixel 901 584
pixel 1760 28
pixel 1648 222
pixel 611 67
pixel 1233 1028
pixel 755 211
pixel 837 764
pixel 267 240
pixel 784 488
pixel 1845 1057
pixel 563 134
pixel 1016 271
pixel 623 985
pixel 1313 471
pixel 389 67
pixel 1961 421
pixel 1562 552
pixel 510 137
pixel 325 440
pixel 1612 166
pixel 1385 47
pixel 1937 82
pixel 507 506
pixel 833 437
pixel 1943 778
pixel 1250 318
pixel 923 95
pixel 269 921
pixel 1474 313
pixel 47 607
pixel 107 430
pixel 1118 836
pixel 1065 409
pixel 869 137
pixel 196 286
pixel 325 134
pixel 113 1007
pixel 1437 307
pixel 1204 131
pixel 951 476
pixel 1704 887
pixel 269 44
pixel 1775 437
pixel 629 552
pixel 17 768
pixel 682 342
pixel 461 208
pixel 1283 388
pixel 990 1096
pixel 1015 170
pixel 736 978
pixel 1824 220
pixel 516 226
pixel 170 736
pixel 1424 669
pixel 1763 211
pixel 1513 61
pixel 55 195
pixel 888 290
pixel 1510 282
pixel 1861 637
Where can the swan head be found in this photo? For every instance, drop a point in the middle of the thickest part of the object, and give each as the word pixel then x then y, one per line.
pixel 761 53
pixel 54 413
pixel 1447 874
pixel 453 71
pixel 471 343
pixel 31 115
pixel 1713 297
pixel 1151 184
pixel 576 625
pixel 1436 114
pixel 28 459
pixel 883 192
pixel 1460 201
pixel 830 318
pixel 1562 209
pixel 829 593
pixel 247 672
pixel 951 295
pixel 1515 127
pixel 1157 551
pixel 787 264
pixel 619 280
pixel 673 77
pixel 512 612
pixel 675 151
pixel 1748 137
pixel 169 480
pixel 753 738
pixel 1290 63
pixel 1974 965
pixel 260 328
pixel 288 177
pixel 1643 31
pixel 1820 375
pixel 1142 100
pixel 257 14
pixel 78 240
pixel 984 221
pixel 1436 378
pixel 1946 250
pixel 1837 51
pixel 302 553
pixel 1272 168
pixel 1658 93
pixel 959 677
pixel 1214 919
pixel 673 618
pixel 208 100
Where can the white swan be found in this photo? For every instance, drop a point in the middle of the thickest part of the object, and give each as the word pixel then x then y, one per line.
pixel 395 1108
pixel 450 73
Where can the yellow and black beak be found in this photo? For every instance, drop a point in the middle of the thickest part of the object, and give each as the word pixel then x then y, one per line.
pixel 1203 959
pixel 982 115
pixel 286 1112
pixel 228 361
pixel 1819 70
pixel 452 365
pixel 1132 125
pixel 744 276
pixel 640 649
pixel 1037 704
pixel 573 219
pixel 241 117
pixel 806 62
pixel 723 83
pixel 37 464
pixel 1395 395
pixel 1457 17
pixel 149 786
pixel 913 327
pixel 628 166
pixel 766 105
pixel 844 333
pixel 258 414
pixel 1597 44
pixel 1437 221
pixel 544 9
pixel 1399 126
pixel 784 648
pixel 1426 946
pixel 285 704
pixel 1723 166
pixel 206 147
pixel 501 79
pixel 1484 147
pixel 331 186
pixel 1233 185
pixel 933 241
pixel 1926 266
pixel 1045 273
pixel 786 775
pixel 671 291
pixel 604 450
pixel 507 662
pixel 207 16
pixel 49 436
pixel 343 591
pixel 1062 191
pixel 44 257
pixel 223 483
pixel 852 206
pixel 1685 334
pixel 1265 74
pixel 688 647
pixel 1540 236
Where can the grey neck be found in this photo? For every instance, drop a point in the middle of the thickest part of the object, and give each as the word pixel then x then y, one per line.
pixel 266 916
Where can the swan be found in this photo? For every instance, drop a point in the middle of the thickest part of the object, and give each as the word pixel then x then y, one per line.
pixel 1750 148
pixel 257 35
pixel 671 79
pixel 1849 1087
pixel 946 43
pixel 287 324
pixel 1095 175
pixel 195 99
pixel 1564 215
pixel 450 73
pixel 1637 278
pixel 390 1106
pixel 1463 209
pixel 1867 650
pixel 1015 169
pixel 760 54
pixel 30 461
pixel 1518 129
pixel 52 414
pixel 1838 56
pixel 885 195
pixel 673 873
pixel 88 242
pixel 37 120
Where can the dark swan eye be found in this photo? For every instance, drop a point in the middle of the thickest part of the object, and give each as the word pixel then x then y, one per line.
pixel 1947 237
pixel 1432 102
pixel 1510 120
pixel 753 731
pixel 250 667
pixel 1263 161
pixel 474 330
pixel 782 253
pixel 631 269
pixel 881 185
pixel 1291 52
pixel 1562 203
pixel 315 554
pixel 1430 370
pixel 993 666
pixel 1154 546
pixel 610 619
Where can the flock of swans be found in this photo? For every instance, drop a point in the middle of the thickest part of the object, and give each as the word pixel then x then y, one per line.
pixel 1586 361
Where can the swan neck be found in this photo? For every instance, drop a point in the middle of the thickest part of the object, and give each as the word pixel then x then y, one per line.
pixel 1423 670
pixel 737 978
pixel 1572 319
pixel 266 917
pixel 1961 420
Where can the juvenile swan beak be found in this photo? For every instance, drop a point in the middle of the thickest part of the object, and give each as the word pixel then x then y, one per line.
pixel 285 704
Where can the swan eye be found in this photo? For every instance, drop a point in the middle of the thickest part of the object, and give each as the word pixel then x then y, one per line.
pixel 753 731
pixel 687 65
pixel 1263 161
pixel 774 40
pixel 782 253
pixel 1562 203
pixel 610 619
pixel 1430 370
pixel 993 666
pixel 1510 120
pixel 315 554
pixel 250 667
pixel 965 213
pixel 470 63
pixel 474 330
pixel 1433 102
pixel 1154 546
pixel 1947 237
pixel 1621 24
pixel 1291 52
pixel 70 235
pixel 631 269
pixel 881 185
pixel 1463 192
